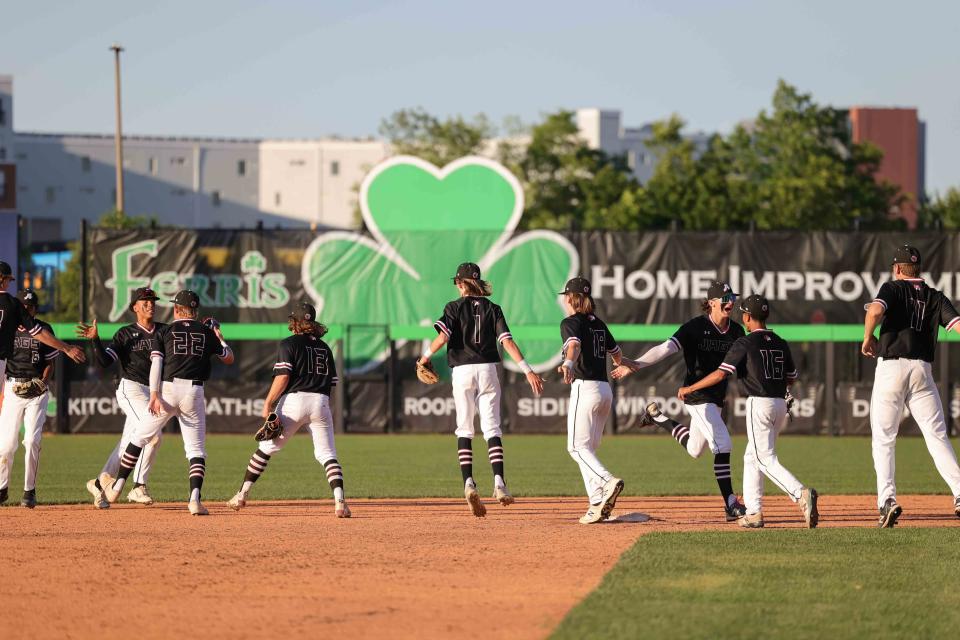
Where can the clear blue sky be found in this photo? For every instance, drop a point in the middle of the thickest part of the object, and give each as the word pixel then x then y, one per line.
pixel 307 69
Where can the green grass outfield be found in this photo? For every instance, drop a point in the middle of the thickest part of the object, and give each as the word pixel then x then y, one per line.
pixel 828 583
pixel 414 466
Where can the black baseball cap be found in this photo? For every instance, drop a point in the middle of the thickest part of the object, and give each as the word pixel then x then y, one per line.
pixel 577 285
pixel 906 255
pixel 29 297
pixel 187 298
pixel 304 311
pixel 467 271
pixel 143 293
pixel 757 306
pixel 722 290
pixel 5 270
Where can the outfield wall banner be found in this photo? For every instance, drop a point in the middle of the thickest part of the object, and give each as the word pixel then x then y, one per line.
pixel 654 277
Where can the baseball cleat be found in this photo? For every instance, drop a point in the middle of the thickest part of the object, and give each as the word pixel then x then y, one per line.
pixel 238 501
pixel 473 499
pixel 751 521
pixel 29 499
pixel 889 513
pixel 611 491
pixel 501 495
pixel 140 495
pixel 735 511
pixel 956 507
pixel 341 509
pixel 648 415
pixel 3 495
pixel 197 509
pixel 593 515
pixel 106 481
pixel 808 506
pixel 99 500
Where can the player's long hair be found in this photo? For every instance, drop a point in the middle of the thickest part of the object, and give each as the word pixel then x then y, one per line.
pixel 581 302
pixel 186 312
pixel 475 287
pixel 705 306
pixel 307 326
pixel 910 270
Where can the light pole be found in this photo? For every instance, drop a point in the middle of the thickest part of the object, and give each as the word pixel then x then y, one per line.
pixel 118 138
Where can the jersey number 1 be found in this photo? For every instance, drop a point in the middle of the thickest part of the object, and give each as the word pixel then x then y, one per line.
pixel 916 317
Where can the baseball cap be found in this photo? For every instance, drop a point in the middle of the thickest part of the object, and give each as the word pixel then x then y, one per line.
pixel 906 255
pixel 577 285
pixel 304 311
pixel 187 298
pixel 143 293
pixel 29 297
pixel 722 290
pixel 5 270
pixel 757 306
pixel 467 271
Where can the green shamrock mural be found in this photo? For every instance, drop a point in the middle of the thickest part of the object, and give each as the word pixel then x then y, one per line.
pixel 423 222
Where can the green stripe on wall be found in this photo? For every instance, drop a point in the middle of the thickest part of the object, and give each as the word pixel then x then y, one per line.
pixel 622 332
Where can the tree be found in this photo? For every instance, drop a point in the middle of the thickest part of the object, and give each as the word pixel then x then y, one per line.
pixel 566 184
pixel 417 133
pixel 941 212
pixel 68 282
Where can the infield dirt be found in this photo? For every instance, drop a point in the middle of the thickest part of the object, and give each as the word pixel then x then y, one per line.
pixel 398 568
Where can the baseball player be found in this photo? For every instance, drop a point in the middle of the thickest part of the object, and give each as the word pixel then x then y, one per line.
pixel 181 355
pixel 303 375
pixel 130 347
pixel 471 327
pixel 762 361
pixel 28 371
pixel 586 343
pixel 13 315
pixel 909 314
pixel 704 341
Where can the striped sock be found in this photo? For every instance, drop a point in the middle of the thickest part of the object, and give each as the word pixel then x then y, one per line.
pixel 465 454
pixel 721 469
pixel 256 466
pixel 495 452
pixel 127 462
pixel 679 432
pixel 334 473
pixel 198 469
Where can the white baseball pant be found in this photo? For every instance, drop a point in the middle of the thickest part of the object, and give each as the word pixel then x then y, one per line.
pixel 910 382
pixel 707 430
pixel 185 400
pixel 476 389
pixel 3 374
pixel 765 418
pixel 298 409
pixel 133 398
pixel 32 413
pixel 590 404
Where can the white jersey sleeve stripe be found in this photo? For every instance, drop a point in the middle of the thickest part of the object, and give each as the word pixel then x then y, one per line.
pixel 953 322
pixel 729 368
pixel 442 327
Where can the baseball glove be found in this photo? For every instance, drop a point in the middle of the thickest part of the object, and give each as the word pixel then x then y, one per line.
pixel 210 322
pixel 426 373
pixel 270 428
pixel 30 388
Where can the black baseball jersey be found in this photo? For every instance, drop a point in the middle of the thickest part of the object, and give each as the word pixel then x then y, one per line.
pixel 596 342
pixel 309 362
pixel 131 347
pixel 30 356
pixel 475 327
pixel 186 346
pixel 704 346
pixel 913 313
pixel 762 361
pixel 13 315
